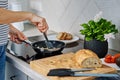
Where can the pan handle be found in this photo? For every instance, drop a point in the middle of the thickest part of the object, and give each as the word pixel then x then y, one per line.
pixel 27 42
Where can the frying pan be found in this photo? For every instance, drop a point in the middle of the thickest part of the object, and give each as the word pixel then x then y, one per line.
pixel 41 47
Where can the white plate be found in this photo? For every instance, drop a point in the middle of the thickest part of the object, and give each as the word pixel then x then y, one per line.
pixel 53 37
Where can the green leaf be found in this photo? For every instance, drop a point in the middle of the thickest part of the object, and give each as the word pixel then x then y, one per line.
pixel 88 38
pixel 82 32
pixel 89 33
pixel 85 25
pixel 107 24
pixel 91 22
pixel 100 37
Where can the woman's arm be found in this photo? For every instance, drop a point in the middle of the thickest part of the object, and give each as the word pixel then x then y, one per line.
pixel 7 16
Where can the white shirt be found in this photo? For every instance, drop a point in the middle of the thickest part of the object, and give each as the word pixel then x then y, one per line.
pixel 4 29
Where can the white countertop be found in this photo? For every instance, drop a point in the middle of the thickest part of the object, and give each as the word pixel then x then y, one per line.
pixel 24 67
pixel 111 65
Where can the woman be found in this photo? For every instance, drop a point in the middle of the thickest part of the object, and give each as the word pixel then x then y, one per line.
pixel 6 18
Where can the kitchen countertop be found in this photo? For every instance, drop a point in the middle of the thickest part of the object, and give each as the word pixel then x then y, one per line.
pixel 29 31
pixel 25 68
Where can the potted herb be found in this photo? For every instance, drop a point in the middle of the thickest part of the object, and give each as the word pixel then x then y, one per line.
pixel 97 32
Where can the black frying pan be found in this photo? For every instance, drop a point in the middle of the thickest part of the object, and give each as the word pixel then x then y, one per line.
pixel 41 47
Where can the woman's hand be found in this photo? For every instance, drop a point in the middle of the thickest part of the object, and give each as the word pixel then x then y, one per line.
pixel 16 35
pixel 39 22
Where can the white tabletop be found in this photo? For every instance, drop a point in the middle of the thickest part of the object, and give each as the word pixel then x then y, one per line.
pixel 110 64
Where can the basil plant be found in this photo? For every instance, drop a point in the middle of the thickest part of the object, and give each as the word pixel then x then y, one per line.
pixel 99 30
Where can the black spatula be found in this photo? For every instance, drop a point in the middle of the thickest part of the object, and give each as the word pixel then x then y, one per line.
pixel 68 72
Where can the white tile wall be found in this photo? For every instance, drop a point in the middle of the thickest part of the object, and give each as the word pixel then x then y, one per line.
pixel 67 15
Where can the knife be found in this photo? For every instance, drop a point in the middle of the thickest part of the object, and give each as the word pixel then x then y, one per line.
pixel 68 72
pixel 72 69
pixel 97 74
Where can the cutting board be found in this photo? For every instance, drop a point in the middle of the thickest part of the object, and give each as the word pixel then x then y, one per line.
pixel 42 66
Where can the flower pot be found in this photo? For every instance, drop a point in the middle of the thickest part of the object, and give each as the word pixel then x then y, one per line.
pixel 99 47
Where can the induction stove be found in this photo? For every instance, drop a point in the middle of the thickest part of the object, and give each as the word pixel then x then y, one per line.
pixel 26 52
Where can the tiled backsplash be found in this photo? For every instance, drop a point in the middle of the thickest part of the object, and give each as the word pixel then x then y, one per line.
pixel 67 15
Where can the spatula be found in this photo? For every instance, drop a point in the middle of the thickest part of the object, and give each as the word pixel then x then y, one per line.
pixel 69 72
pixel 48 43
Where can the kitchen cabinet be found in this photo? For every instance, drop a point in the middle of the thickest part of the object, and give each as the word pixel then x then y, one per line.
pixel 13 73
